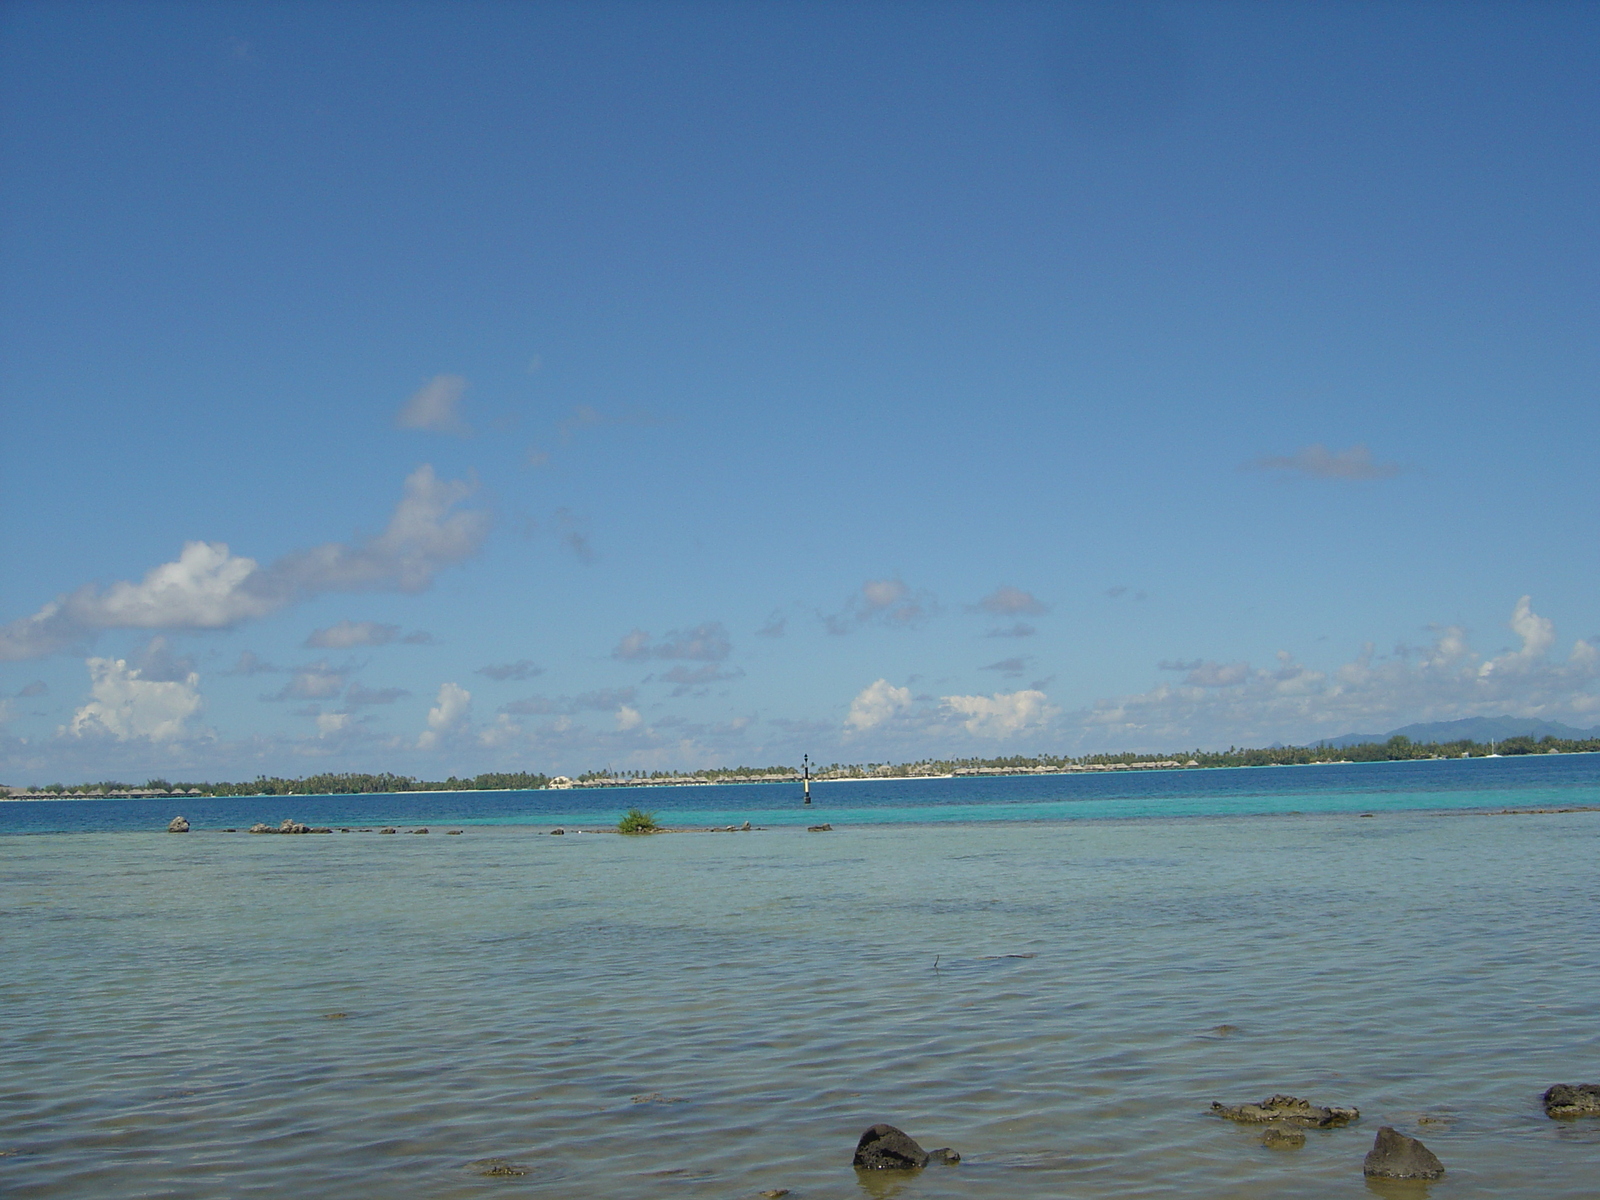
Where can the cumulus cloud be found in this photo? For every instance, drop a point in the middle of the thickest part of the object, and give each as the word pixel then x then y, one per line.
pixel 209 587
pixel 704 643
pixel 523 668
pixel 353 633
pixel 127 706
pixel 434 405
pixel 1007 601
pixel 1289 701
pixel 876 703
pixel 331 723
pixel 1317 462
pixel 448 711
pixel 1538 634
pixel 628 718
pixel 887 602
pixel 1002 714
pixel 318 681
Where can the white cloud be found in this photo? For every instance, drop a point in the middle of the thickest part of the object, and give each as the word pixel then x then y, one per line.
pixel 317 681
pixel 1004 713
pixel 447 712
pixel 628 718
pixel 433 407
pixel 1007 601
pixel 1216 675
pixel 1538 634
pixel 1290 702
pixel 209 587
pixel 126 706
pixel 877 703
pixel 346 634
pixel 882 602
pixel 332 723
pixel 1316 461
pixel 704 643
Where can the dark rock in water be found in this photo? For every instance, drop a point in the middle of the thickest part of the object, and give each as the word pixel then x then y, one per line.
pixel 321 829
pixel 1283 1137
pixel 885 1148
pixel 1573 1100
pixel 1286 1110
pixel 177 825
pixel 388 829
pixel 230 831
pixel 557 832
pixel 496 1167
pixel 424 829
pixel 453 832
pixel 1396 1156
pixel 819 828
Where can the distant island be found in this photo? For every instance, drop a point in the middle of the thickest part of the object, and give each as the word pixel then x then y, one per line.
pixel 1396 747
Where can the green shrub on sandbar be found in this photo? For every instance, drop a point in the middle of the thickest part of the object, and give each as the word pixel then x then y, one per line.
pixel 638 821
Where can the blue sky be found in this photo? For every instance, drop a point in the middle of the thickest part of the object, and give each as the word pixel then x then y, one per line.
pixel 449 388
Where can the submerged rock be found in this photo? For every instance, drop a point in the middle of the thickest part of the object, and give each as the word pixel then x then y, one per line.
pixel 819 828
pixel 1396 1156
pixel 496 1167
pixel 885 1148
pixel 424 829
pixel 1283 1137
pixel 1286 1110
pixel 557 832
pixel 177 825
pixel 388 829
pixel 1573 1100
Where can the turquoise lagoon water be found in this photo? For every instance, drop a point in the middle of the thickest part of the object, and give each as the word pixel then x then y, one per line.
pixel 713 1015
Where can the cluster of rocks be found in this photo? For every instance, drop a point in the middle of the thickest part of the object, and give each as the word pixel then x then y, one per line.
pixel 289 826
pixel 1393 1154
pixel 745 828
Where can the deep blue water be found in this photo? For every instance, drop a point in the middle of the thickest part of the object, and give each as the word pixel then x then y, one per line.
pixel 1543 780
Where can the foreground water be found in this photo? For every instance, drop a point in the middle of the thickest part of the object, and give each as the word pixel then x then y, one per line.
pixel 711 1015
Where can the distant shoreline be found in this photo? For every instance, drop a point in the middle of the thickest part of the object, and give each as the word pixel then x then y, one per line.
pixel 614 783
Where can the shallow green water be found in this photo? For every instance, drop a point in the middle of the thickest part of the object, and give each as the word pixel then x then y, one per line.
pixel 710 1015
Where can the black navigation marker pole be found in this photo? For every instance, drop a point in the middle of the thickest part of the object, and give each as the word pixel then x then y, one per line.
pixel 806 764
